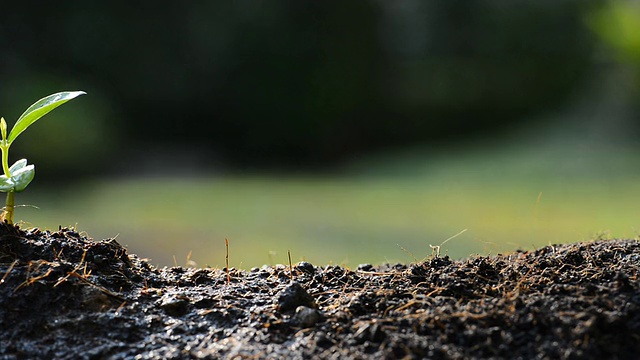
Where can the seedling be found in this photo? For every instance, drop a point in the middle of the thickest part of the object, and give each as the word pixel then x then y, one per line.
pixel 19 175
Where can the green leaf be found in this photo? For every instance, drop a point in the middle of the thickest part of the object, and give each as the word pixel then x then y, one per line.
pixel 6 184
pixel 39 109
pixel 3 129
pixel 17 166
pixel 21 176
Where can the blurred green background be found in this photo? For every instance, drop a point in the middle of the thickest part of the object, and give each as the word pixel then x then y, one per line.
pixel 347 132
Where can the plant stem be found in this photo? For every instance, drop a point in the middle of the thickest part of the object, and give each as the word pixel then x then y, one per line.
pixel 10 204
pixel 9 207
pixel 5 159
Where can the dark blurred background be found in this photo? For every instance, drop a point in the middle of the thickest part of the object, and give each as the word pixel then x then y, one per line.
pixel 289 84
pixel 214 87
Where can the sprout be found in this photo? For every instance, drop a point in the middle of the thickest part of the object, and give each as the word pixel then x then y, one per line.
pixel 19 175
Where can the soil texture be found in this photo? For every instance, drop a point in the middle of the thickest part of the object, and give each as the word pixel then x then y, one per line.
pixel 65 296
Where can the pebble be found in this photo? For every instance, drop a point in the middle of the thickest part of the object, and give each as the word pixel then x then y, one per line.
pixel 306 267
pixel 174 305
pixel 293 296
pixel 306 316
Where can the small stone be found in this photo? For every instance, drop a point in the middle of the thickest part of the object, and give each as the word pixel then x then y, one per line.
pixel 293 296
pixel 365 267
pixel 174 305
pixel 306 317
pixel 305 267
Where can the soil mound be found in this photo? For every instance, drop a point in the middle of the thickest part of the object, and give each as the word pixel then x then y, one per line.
pixel 65 296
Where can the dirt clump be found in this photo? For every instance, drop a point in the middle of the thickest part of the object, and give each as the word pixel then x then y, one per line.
pixel 65 296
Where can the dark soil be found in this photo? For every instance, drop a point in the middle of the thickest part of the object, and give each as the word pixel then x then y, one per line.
pixel 65 296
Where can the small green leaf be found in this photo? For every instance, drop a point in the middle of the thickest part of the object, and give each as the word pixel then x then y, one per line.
pixel 39 109
pixel 3 129
pixel 17 166
pixel 23 177
pixel 6 184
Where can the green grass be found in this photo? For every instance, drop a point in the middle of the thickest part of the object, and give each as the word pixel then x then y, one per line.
pixel 507 200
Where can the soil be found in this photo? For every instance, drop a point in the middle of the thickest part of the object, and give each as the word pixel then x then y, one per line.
pixel 65 296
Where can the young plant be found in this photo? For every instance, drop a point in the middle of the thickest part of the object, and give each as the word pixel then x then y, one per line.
pixel 19 175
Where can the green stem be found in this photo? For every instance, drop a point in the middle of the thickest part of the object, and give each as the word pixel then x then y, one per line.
pixel 10 204
pixel 5 159
pixel 9 207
